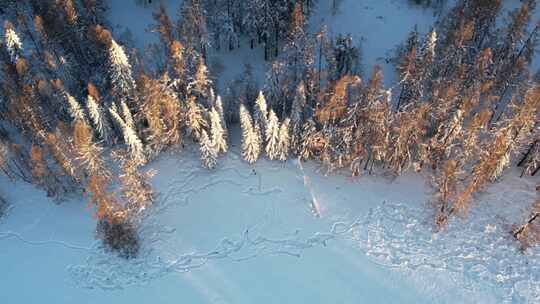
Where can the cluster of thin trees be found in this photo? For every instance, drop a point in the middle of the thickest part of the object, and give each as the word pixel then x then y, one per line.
pixel 80 112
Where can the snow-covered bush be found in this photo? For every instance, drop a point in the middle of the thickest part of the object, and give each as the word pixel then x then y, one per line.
pixel 119 235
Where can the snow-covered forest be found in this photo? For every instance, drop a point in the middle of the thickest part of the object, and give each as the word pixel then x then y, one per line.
pixel 297 151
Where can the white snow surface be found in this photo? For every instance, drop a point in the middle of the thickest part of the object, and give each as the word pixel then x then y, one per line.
pixel 271 233
pixel 275 232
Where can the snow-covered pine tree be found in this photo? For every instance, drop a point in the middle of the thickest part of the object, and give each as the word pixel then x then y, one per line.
pixel 513 54
pixel 473 133
pixel 192 27
pixel 297 113
pixel 162 112
pixel 75 109
pixel 136 188
pixel 421 73
pixel 208 151
pixel 201 84
pixel 221 21
pixel 272 136
pixel 407 138
pixel 307 140
pixel 407 70
pixel 62 150
pixel 133 142
pixel 126 114
pixel 72 105
pixel 294 65
pixel 12 42
pixel 344 103
pixel 88 153
pixel 450 133
pixel 195 118
pixel 95 110
pixel 177 64
pixel 376 130
pixel 260 23
pixel 429 49
pixel 219 107
pixel 219 139
pixel 261 112
pixel 251 142
pixel 284 140
pixel 120 74
pixel 298 45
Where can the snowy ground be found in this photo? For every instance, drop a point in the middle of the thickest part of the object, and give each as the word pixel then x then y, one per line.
pixel 274 232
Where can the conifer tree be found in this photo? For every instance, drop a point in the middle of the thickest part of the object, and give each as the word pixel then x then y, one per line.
pixel 177 67
pixel 297 44
pixel 513 56
pixel 407 139
pixel 63 153
pixel 309 131
pixel 136 188
pixel 75 108
pixel 208 151
pixel 219 140
pixel 376 130
pixel 201 84
pixel 219 108
pixel 221 21
pixel 120 73
pixel 67 104
pixel 251 142
pixel 272 136
pixel 95 110
pixel 261 112
pixel 407 69
pixel 88 153
pixel 472 134
pixel 192 27
pixel 12 42
pixel 135 145
pixel 162 113
pixel 297 117
pixel 284 140
pixel 195 119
